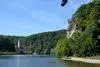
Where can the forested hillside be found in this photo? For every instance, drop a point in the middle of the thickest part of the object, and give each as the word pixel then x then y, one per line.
pixel 84 31
pixel 7 43
pixel 40 43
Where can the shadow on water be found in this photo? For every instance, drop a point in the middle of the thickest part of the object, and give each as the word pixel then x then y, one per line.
pixel 79 64
pixel 7 57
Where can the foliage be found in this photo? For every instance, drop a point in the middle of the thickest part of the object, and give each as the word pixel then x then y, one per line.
pixel 6 44
pixel 85 41
pixel 42 43
pixel 62 48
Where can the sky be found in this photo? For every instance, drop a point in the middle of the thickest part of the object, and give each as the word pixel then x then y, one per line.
pixel 26 17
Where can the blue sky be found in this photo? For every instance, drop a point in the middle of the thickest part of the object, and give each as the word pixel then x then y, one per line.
pixel 26 17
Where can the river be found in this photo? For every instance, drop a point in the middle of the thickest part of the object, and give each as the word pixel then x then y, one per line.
pixel 39 61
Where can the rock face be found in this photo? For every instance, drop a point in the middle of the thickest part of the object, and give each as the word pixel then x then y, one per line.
pixel 70 31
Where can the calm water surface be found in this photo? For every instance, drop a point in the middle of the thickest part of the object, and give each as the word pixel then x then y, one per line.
pixel 39 61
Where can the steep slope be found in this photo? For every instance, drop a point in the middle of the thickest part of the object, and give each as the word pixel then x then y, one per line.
pixel 42 43
pixel 83 34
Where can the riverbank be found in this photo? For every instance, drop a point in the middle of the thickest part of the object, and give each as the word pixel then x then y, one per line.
pixel 86 60
pixel 14 53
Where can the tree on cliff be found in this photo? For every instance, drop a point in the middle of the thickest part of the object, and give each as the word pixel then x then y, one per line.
pixel 85 41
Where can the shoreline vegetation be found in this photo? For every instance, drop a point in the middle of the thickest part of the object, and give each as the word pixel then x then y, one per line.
pixel 40 43
pixel 83 35
pixel 83 59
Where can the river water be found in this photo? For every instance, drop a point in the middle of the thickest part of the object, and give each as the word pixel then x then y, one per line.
pixel 39 61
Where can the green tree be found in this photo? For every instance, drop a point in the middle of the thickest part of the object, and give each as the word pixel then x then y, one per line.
pixel 6 44
pixel 85 41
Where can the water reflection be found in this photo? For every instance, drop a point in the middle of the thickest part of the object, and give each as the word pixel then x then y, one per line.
pixel 39 61
pixel 17 64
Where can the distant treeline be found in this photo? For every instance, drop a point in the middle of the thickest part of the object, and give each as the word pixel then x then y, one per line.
pixel 40 43
pixel 7 43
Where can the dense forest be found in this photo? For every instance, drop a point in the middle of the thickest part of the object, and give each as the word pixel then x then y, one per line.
pixel 83 31
pixel 8 43
pixel 40 43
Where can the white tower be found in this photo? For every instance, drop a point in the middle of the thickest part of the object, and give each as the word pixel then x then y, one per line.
pixel 18 43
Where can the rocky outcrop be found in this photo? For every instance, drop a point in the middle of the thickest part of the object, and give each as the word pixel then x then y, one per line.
pixel 71 30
